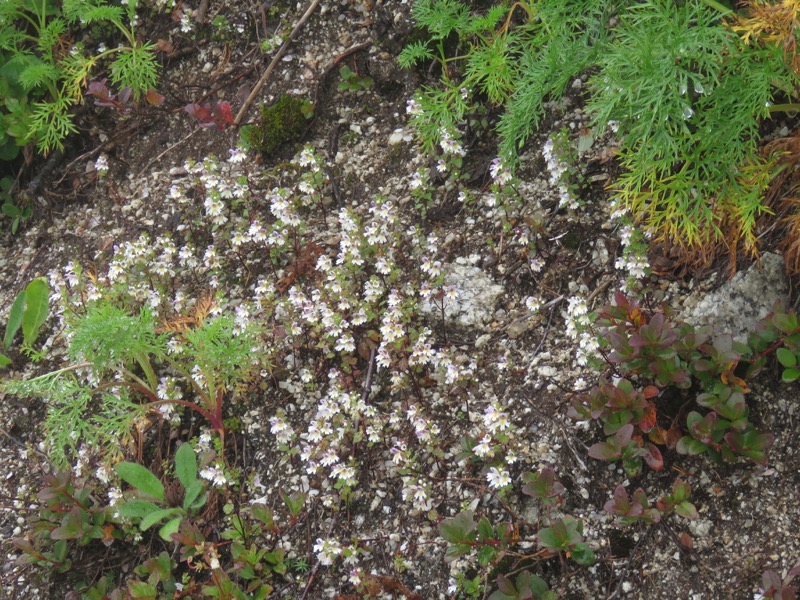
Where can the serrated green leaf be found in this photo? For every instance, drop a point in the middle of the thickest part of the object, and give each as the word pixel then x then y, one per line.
pixel 37 306
pixel 186 465
pixel 141 590
pixel 142 479
pixel 14 319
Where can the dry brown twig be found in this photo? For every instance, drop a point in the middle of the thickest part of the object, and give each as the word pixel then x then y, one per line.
pixel 281 51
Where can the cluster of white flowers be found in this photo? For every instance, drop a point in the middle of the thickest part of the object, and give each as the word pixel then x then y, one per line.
pixel 499 172
pixel 449 144
pixel 327 550
pixel 101 165
pixel 578 321
pixel 417 494
pixel 214 474
pixel 413 107
pixel 498 478
pixel 168 389
pixel 634 253
pixel 558 170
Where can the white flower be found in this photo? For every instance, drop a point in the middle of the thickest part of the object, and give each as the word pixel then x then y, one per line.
pixel 483 448
pixel 237 155
pixel 413 107
pixel 101 164
pixel 327 550
pixel 498 479
pixel 214 474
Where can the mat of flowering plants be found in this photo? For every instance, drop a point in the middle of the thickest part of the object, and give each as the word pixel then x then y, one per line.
pixel 289 353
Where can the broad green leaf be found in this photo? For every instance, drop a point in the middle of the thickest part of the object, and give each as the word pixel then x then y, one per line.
pixel 158 515
pixel 186 465
pixel 786 357
pixel 141 590
pixel 36 309
pixel 456 530
pixel 4 361
pixel 138 509
pixel 485 529
pixel 486 555
pixel 190 500
pixel 686 510
pixel 169 528
pixel 583 555
pixel 142 479
pixel 690 446
pixel 790 375
pixel 71 527
pixel 14 319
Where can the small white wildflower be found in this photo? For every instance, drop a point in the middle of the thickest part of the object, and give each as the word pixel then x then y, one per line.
pixel 533 303
pixel 327 550
pixel 101 164
pixel 214 474
pixel 413 107
pixel 483 448
pixel 498 479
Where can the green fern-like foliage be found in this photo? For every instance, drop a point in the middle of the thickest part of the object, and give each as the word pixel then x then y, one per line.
pixel 222 351
pixel 109 337
pixel 414 53
pixel 136 68
pixel 688 98
pixel 441 17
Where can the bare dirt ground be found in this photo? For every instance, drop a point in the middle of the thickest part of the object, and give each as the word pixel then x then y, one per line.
pixel 411 470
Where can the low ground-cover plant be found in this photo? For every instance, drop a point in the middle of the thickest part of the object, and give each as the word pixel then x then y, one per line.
pixel 561 537
pixel 653 354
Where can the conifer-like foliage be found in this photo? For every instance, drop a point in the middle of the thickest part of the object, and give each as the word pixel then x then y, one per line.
pixel 687 82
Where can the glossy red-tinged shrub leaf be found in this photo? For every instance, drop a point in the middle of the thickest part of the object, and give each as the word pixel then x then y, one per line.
pixel 71 527
pixel 653 458
pixel 787 323
pixel 153 98
pixel 686 510
pixel 457 529
pixel 689 445
pixel 651 391
pixel 604 451
pixel 648 420
pixel 505 586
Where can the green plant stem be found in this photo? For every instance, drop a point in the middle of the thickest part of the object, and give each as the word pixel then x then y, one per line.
pixel 789 107
pixel 213 418
pixel 718 7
